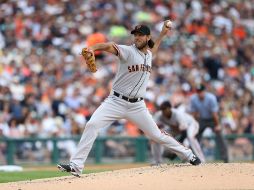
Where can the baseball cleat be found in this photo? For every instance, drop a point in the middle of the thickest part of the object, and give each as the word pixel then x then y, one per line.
pixel 68 168
pixel 195 160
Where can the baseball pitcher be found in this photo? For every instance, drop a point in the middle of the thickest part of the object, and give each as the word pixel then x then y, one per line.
pixel 126 97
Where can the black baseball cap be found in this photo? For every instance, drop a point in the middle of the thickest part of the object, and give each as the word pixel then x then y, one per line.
pixel 164 105
pixel 200 87
pixel 143 29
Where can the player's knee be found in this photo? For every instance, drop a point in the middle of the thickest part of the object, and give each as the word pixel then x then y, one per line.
pixel 191 139
pixel 159 141
pixel 191 136
pixel 91 123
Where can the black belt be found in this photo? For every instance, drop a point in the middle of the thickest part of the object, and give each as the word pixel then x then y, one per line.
pixel 132 100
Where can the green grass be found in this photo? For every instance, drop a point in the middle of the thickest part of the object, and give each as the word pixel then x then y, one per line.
pixel 31 175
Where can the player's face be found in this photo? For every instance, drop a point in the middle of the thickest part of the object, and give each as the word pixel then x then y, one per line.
pixel 167 112
pixel 140 40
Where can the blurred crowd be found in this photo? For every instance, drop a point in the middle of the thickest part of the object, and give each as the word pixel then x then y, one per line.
pixel 46 89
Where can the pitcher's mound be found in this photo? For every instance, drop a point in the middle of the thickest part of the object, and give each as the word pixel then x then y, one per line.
pixel 165 177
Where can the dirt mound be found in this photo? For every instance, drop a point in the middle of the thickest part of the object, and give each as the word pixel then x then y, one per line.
pixel 177 176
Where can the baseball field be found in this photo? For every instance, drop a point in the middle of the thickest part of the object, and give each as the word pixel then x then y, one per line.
pixel 167 176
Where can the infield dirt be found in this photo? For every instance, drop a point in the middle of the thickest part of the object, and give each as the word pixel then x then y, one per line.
pixel 165 177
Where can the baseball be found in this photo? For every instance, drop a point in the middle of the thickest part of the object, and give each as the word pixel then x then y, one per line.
pixel 169 24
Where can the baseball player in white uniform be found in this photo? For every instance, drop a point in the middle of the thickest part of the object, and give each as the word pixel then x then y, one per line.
pixel 177 121
pixel 126 98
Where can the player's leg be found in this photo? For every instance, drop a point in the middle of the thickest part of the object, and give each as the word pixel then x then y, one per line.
pixel 180 138
pixel 143 119
pixel 110 110
pixel 192 131
pixel 156 151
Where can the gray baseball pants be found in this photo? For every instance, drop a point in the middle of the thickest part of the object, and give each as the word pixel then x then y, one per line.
pixel 115 108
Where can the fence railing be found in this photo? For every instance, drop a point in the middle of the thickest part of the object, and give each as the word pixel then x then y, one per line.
pixel 141 145
pixel 140 142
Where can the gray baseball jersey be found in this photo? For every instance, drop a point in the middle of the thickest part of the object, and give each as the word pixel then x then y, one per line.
pixel 129 81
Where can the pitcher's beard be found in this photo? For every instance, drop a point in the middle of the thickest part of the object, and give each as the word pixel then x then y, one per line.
pixel 142 46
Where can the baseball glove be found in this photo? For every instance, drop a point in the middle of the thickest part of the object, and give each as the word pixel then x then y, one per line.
pixel 89 57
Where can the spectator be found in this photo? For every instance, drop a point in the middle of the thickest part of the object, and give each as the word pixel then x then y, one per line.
pixel 39 53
